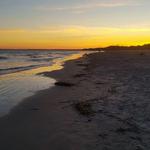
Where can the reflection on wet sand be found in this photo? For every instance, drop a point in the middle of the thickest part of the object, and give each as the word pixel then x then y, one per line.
pixel 16 86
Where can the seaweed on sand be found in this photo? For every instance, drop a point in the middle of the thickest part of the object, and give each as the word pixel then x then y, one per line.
pixel 84 108
pixel 63 83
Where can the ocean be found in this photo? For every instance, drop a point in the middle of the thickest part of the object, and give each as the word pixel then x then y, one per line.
pixel 19 69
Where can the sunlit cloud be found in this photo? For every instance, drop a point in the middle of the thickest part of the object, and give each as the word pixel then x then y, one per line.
pixel 73 37
pixel 90 5
pixel 73 29
pixel 12 30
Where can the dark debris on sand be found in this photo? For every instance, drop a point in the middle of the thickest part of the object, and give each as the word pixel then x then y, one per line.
pixel 63 83
pixel 84 108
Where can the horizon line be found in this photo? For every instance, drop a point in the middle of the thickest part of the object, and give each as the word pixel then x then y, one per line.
pixel 73 48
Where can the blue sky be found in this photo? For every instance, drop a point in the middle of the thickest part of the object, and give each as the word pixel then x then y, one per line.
pixel 37 13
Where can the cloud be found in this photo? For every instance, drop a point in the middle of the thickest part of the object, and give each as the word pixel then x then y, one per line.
pixel 12 30
pixel 73 30
pixel 73 36
pixel 90 5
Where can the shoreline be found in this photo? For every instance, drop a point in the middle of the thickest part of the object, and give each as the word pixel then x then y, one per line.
pixel 55 74
pixel 16 84
pixel 116 86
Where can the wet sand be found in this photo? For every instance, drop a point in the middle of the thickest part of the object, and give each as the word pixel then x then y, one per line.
pixel 115 84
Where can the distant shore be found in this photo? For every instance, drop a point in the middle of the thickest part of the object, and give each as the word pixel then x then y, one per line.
pixel 100 102
pixel 120 48
pixel 107 48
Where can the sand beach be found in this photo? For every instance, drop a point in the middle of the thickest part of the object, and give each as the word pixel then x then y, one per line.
pixel 99 102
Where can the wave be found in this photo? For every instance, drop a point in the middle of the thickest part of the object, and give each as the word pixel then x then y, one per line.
pixel 17 69
pixel 15 61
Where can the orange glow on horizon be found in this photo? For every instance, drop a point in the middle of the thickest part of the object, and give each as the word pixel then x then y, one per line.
pixel 73 37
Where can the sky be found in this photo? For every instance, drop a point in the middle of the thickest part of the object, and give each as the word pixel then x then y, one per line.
pixel 53 24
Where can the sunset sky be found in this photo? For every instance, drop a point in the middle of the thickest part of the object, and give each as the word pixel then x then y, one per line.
pixel 73 23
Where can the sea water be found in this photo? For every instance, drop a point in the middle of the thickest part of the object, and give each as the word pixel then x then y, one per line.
pixel 19 73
